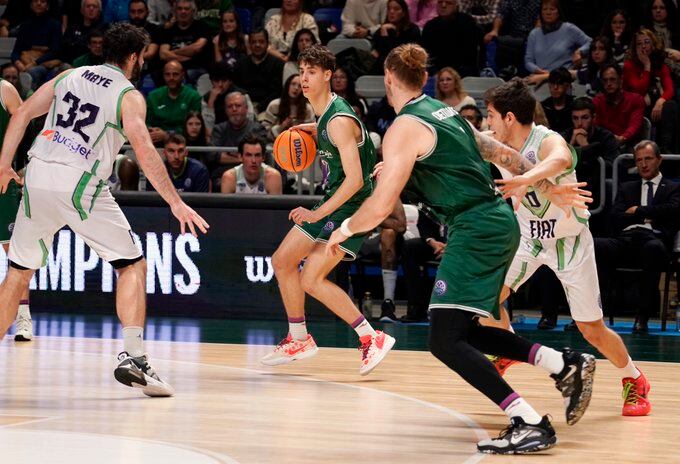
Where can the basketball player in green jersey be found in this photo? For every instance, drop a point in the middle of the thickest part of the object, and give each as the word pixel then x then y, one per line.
pixel 433 152
pixel 9 205
pixel 348 156
pixel 551 238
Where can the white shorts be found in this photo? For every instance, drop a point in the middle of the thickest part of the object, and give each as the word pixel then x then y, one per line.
pixel 573 261
pixel 56 196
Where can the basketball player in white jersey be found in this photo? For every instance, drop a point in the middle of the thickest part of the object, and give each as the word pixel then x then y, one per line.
pixel 92 110
pixel 552 237
pixel 252 175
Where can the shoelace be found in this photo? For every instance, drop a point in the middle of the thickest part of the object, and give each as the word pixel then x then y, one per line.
pixel 506 431
pixel 283 343
pixel 630 393
pixel 364 348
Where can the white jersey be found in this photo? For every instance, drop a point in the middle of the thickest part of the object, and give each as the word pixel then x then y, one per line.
pixel 242 184
pixel 83 129
pixel 538 218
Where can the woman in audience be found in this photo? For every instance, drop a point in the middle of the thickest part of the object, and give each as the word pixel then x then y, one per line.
pixel 589 75
pixel 343 85
pixel 283 26
pixel 397 30
pixel 663 20
pixel 555 44
pixel 304 38
pixel 618 29
pixel 645 73
pixel 449 89
pixel 197 135
pixel 230 44
pixel 421 11
pixel 289 110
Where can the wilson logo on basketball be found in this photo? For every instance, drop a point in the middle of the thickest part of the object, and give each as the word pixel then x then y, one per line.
pixel 297 144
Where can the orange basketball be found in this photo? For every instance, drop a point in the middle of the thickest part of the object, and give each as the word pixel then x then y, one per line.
pixel 294 150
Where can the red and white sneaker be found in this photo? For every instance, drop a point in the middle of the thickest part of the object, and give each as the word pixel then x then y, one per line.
pixel 373 350
pixel 289 350
pixel 635 391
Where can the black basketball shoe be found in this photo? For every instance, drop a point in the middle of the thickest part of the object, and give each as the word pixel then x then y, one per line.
pixel 137 373
pixel 520 437
pixel 576 383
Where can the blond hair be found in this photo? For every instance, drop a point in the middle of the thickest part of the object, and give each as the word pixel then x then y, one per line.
pixel 408 63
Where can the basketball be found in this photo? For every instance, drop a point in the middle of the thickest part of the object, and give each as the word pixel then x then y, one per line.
pixel 294 150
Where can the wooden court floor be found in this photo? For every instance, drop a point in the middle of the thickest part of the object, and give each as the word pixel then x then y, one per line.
pixel 59 403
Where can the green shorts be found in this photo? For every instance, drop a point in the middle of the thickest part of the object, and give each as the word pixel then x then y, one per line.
pixel 9 205
pixel 321 231
pixel 481 245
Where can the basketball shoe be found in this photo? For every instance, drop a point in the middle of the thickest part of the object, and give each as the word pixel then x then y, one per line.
pixel 520 437
pixel 501 364
pixel 576 383
pixel 136 372
pixel 289 350
pixel 635 401
pixel 24 326
pixel 373 350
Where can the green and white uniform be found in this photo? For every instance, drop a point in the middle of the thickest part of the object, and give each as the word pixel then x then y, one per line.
pixel 70 162
pixel 9 201
pixel 330 159
pixel 550 238
pixel 454 183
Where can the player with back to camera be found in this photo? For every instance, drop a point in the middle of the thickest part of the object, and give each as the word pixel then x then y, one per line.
pixel 92 110
pixel 439 157
pixel 349 157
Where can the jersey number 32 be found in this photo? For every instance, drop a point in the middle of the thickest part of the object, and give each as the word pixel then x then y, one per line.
pixel 88 110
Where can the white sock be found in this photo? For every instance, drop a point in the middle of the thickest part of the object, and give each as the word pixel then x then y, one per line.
pixel 389 283
pixel 629 370
pixel 362 327
pixel 24 311
pixel 133 341
pixel 549 359
pixel 298 329
pixel 519 407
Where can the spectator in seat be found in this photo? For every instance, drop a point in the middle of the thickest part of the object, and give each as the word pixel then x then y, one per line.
pixel 555 44
pixel 558 105
pixel 186 41
pixel 230 44
pixel 209 12
pixel 74 43
pixel 18 12
pixel 36 50
pixel 589 75
pixel 645 73
pixel 421 11
pixel 663 20
pixel 96 54
pixel 618 29
pixel 230 132
pixel 125 174
pixel 160 13
pixel 196 135
pixel 283 26
pixel 343 86
pixel 396 30
pixel 167 106
pixel 482 11
pixel 448 28
pixel 617 110
pixel 252 176
pixel 362 18
pixel 449 89
pixel 222 84
pixel 380 117
pixel 289 110
pixel 515 20
pixel 473 115
pixel 260 72
pixel 10 73
pixel 645 214
pixel 139 16
pixel 187 174
pixel 304 38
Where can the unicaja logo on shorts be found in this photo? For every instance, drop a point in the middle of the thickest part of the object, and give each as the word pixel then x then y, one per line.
pixel 439 287
pixel 330 225
pixel 72 145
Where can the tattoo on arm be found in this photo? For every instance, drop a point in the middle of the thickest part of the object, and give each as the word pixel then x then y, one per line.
pixel 542 185
pixel 495 152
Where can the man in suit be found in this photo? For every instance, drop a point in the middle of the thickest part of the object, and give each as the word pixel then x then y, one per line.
pixel 646 215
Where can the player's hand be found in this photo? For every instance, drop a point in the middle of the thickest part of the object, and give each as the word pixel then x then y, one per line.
pixel 568 196
pixel 377 170
pixel 6 176
pixel 333 245
pixel 188 217
pixel 300 215
pixel 309 127
pixel 515 187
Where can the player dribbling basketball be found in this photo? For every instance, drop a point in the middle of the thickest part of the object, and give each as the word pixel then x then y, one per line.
pixel 349 156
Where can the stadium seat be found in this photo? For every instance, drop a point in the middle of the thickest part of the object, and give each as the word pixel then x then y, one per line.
pixel 578 90
pixel 26 81
pixel 339 44
pixel 372 88
pixel 270 12
pixel 332 15
pixel 6 47
pixel 646 129
pixel 203 84
pixel 541 92
pixel 476 86
pixel 245 19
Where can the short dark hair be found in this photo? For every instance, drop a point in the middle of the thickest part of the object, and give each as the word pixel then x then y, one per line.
pixel 261 31
pixel 122 40
pixel 647 143
pixel 318 55
pixel 221 72
pixel 560 75
pixel 175 138
pixel 251 139
pixel 139 1
pixel 478 113
pixel 583 103
pixel 611 65
pixel 513 97
pixel 94 34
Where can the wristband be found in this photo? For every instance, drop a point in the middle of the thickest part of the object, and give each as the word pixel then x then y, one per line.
pixel 344 228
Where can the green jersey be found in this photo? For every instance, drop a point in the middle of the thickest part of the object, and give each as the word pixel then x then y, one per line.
pixel 9 201
pixel 330 155
pixel 452 177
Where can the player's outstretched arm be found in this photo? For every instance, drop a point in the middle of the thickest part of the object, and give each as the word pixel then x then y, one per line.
pixel 133 111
